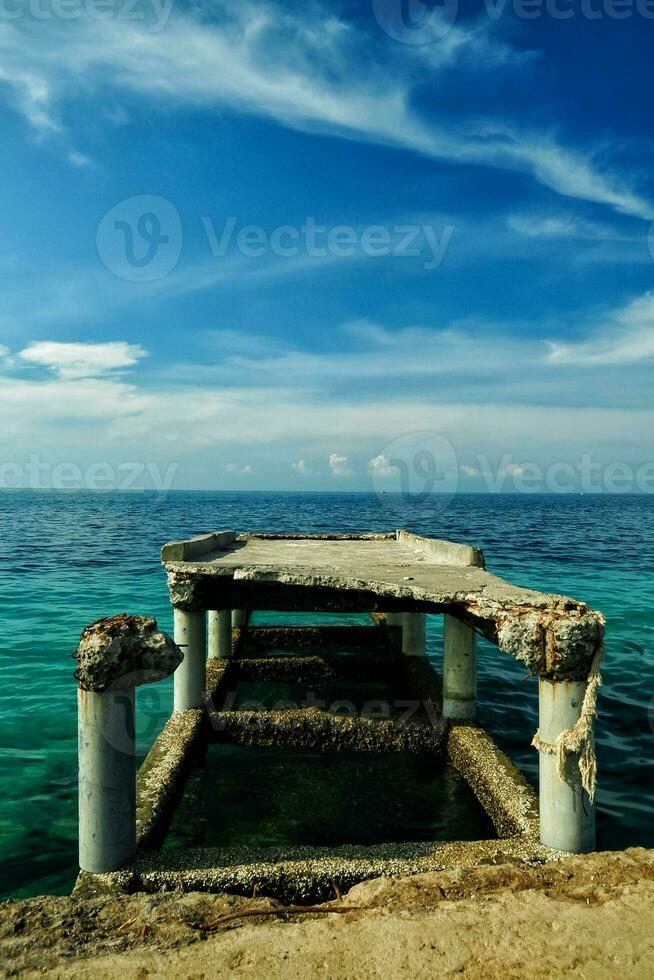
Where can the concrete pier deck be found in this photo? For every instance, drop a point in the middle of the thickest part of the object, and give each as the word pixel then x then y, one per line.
pixel 554 636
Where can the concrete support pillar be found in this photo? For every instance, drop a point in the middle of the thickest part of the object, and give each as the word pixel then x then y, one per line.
pixel 413 634
pixel 567 816
pixel 459 670
pixel 219 625
pixel 239 618
pixel 107 780
pixel 190 676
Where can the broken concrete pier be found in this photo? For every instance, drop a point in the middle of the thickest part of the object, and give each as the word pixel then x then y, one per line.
pixel 396 579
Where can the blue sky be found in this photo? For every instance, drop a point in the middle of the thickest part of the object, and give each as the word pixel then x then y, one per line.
pixel 449 218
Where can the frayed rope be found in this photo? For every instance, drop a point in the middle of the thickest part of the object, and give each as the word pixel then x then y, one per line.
pixel 579 738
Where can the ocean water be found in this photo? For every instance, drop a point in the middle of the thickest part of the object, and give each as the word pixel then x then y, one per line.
pixel 69 558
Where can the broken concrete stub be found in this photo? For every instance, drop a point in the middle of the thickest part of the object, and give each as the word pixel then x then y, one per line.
pixel 554 644
pixel 124 648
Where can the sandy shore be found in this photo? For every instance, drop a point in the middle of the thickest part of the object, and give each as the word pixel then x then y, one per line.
pixel 586 917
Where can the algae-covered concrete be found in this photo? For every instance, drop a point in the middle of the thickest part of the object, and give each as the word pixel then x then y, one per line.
pixel 310 874
pixel 318 729
pixel 502 790
pixel 162 777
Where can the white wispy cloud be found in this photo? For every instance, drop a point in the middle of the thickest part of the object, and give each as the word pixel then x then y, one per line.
pixel 381 466
pixel 625 336
pixel 82 360
pixel 304 72
pixel 78 159
pixel 564 226
pixel 300 467
pixel 371 351
pixel 338 465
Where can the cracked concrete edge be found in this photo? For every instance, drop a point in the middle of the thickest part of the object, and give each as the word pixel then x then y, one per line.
pixel 502 790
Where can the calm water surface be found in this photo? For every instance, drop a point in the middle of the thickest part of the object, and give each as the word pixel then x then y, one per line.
pixel 66 559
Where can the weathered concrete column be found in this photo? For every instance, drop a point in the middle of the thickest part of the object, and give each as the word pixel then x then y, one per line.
pixel 413 634
pixel 239 618
pixel 190 676
pixel 113 657
pixel 219 624
pixel 459 670
pixel 567 816
pixel 107 780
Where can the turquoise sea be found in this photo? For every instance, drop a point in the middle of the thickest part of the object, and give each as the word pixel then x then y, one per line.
pixel 69 558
